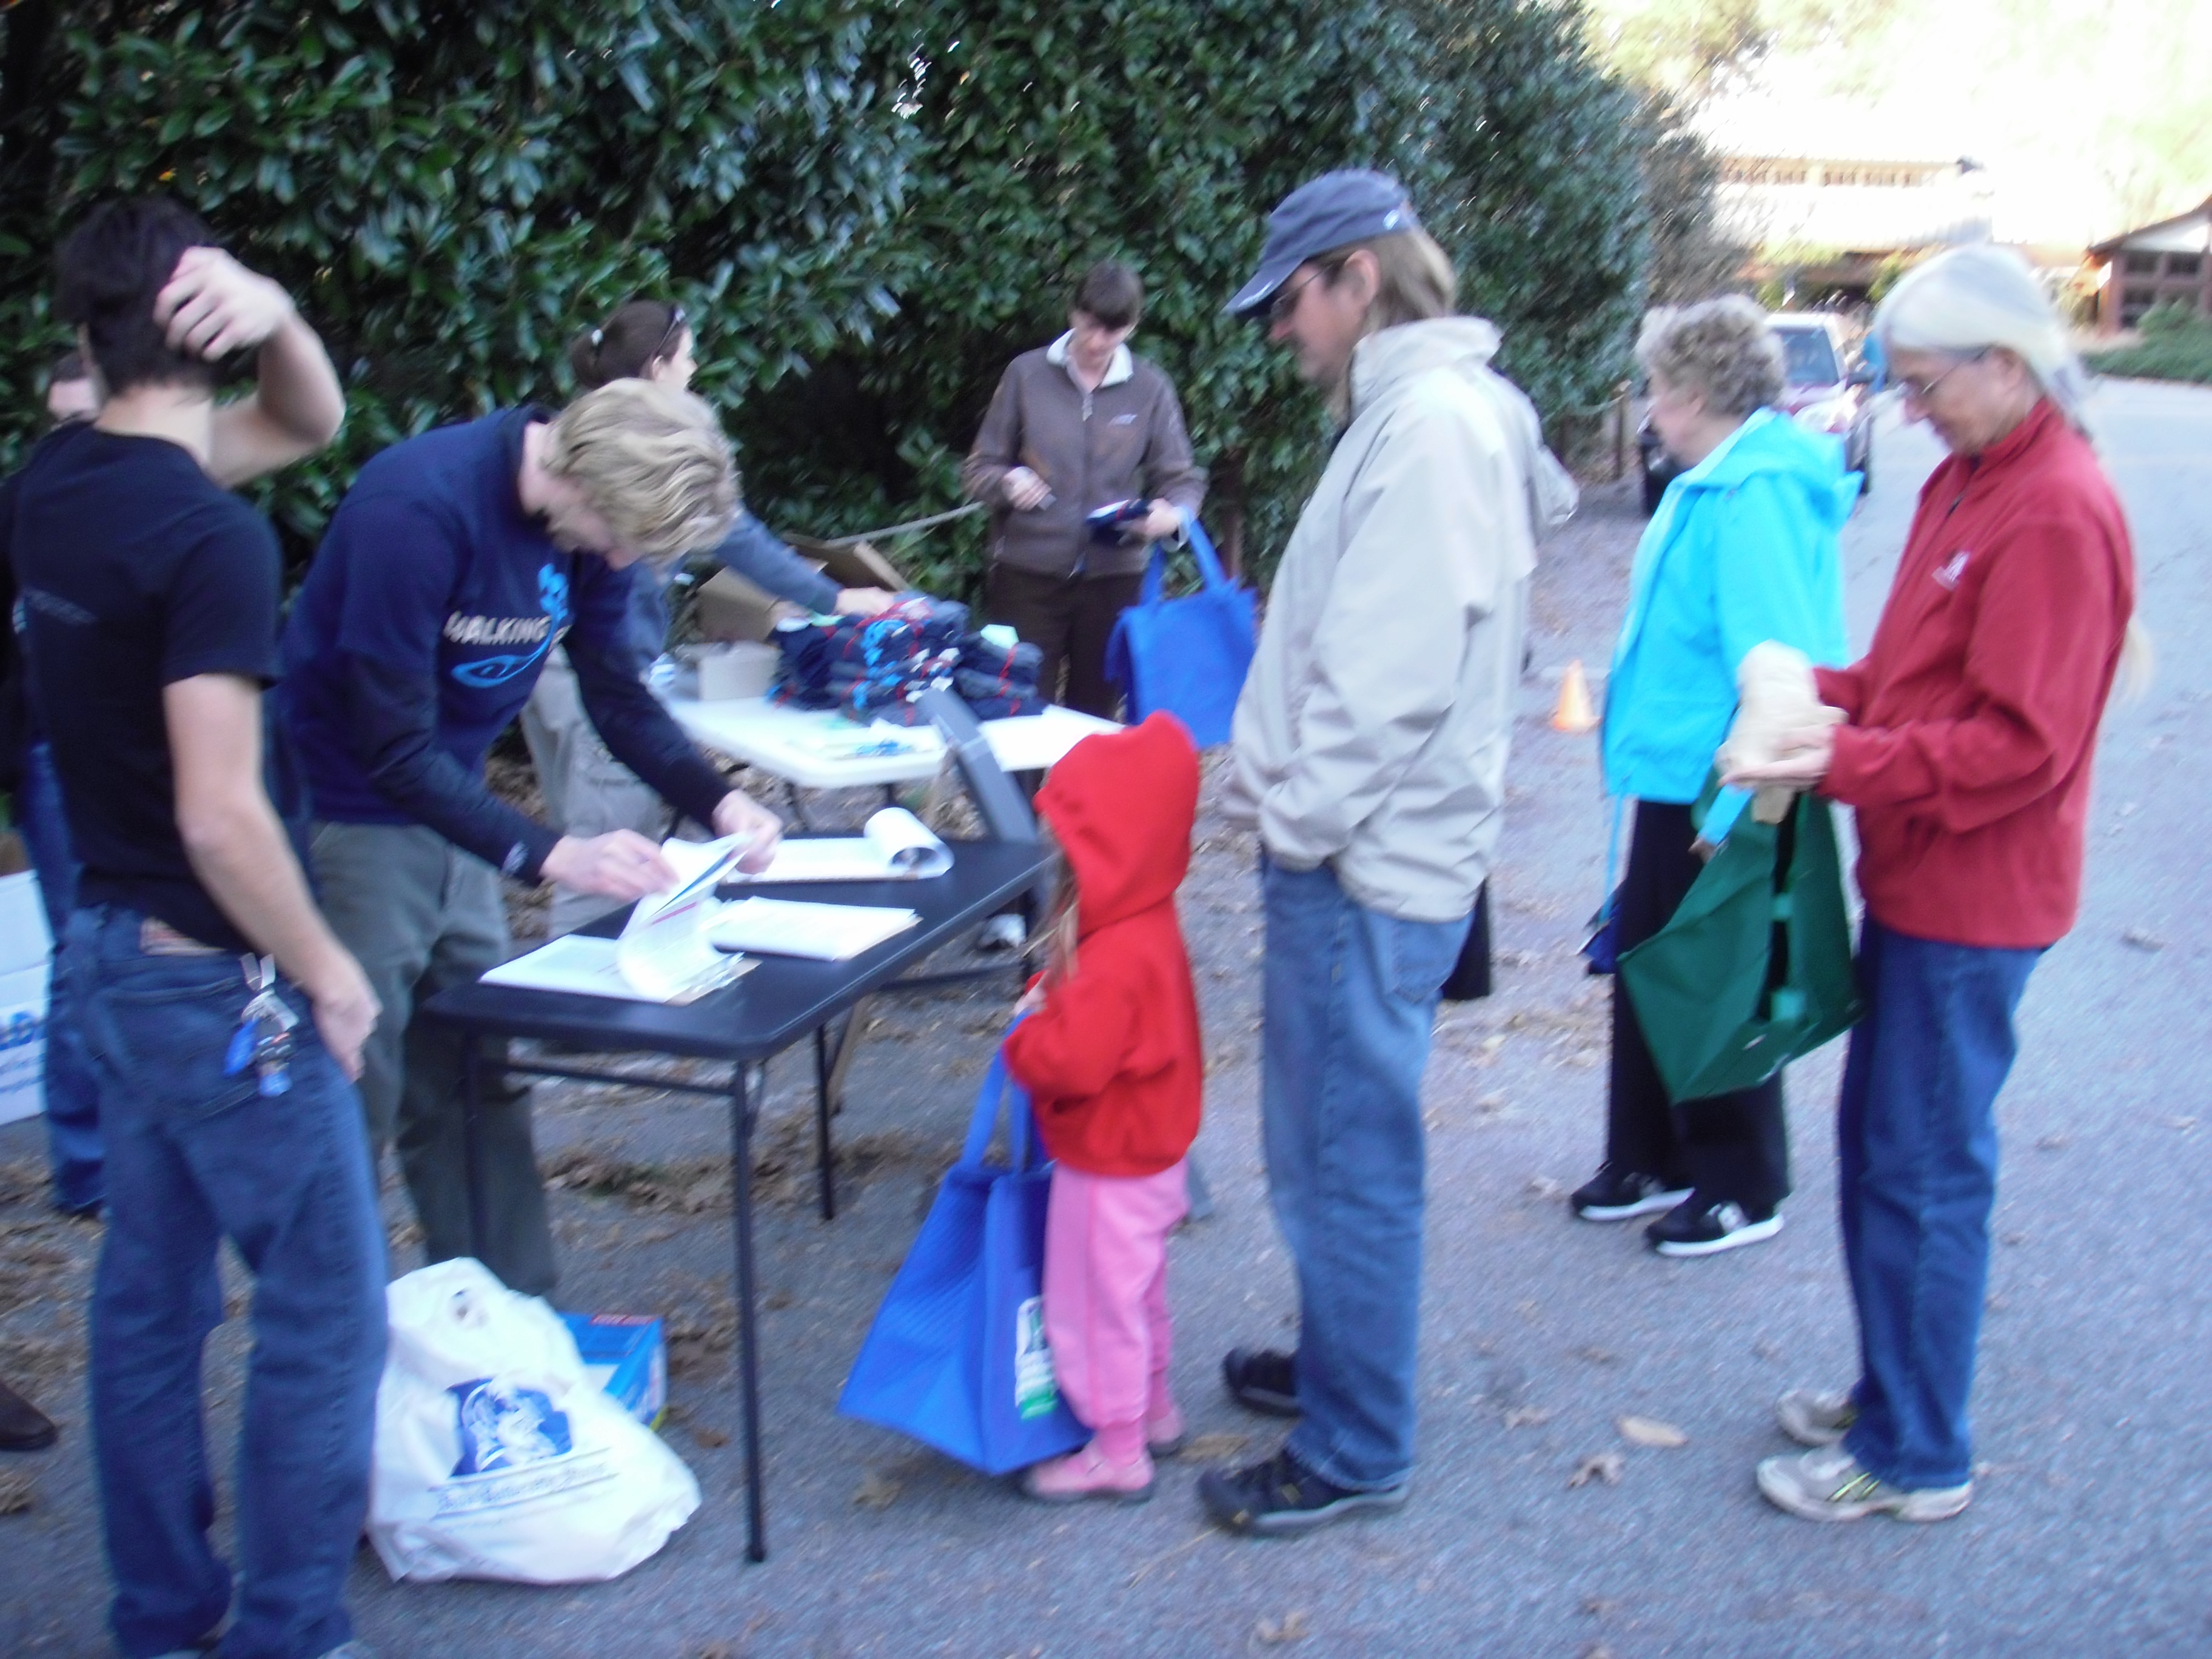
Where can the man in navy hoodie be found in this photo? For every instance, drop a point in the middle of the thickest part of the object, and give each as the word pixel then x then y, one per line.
pixel 458 560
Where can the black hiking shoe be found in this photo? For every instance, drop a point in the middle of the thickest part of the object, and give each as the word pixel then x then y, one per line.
pixel 1265 1379
pixel 1282 1497
pixel 1698 1227
pixel 1615 1194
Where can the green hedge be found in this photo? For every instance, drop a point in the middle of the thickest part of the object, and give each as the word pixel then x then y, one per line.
pixel 2176 345
pixel 869 208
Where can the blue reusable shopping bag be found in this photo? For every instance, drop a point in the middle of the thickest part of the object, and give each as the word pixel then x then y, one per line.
pixel 957 1356
pixel 1188 655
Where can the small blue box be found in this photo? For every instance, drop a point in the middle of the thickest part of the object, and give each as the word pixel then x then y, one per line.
pixel 627 1355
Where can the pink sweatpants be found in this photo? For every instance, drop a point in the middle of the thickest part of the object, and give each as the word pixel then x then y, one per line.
pixel 1106 1297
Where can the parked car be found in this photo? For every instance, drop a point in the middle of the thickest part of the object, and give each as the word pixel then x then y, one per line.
pixel 1825 387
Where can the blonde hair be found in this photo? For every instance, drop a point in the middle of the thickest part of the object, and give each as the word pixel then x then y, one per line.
pixel 1723 348
pixel 1976 299
pixel 651 461
pixel 1414 279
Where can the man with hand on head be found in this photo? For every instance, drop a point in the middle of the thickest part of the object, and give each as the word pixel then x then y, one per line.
pixel 221 1017
pixel 458 560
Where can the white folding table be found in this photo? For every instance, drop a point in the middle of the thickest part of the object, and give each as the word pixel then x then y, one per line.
pixel 818 749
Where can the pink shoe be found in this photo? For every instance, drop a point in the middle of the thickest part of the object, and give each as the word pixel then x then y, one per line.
pixel 1086 1473
pixel 1163 1432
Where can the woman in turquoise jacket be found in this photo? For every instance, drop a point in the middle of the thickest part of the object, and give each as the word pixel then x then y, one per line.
pixel 1743 548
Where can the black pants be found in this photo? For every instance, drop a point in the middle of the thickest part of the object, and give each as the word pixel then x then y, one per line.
pixel 1728 1146
pixel 1069 619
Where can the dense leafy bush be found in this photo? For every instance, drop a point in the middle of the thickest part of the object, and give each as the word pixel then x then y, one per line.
pixel 2176 345
pixel 868 207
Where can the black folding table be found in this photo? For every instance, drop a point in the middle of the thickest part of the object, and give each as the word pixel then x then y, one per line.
pixel 779 1002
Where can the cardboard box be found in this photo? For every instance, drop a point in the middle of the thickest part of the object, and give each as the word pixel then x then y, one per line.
pixel 853 564
pixel 25 950
pixel 627 1355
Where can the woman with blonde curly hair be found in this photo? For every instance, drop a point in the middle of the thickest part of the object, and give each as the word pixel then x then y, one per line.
pixel 1742 549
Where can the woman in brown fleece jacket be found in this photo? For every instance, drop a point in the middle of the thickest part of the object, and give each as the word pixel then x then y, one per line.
pixel 1074 426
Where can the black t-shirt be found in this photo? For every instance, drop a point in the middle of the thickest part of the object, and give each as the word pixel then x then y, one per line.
pixel 135 570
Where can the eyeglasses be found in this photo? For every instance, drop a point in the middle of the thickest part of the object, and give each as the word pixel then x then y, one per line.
pixel 1921 390
pixel 668 341
pixel 1286 299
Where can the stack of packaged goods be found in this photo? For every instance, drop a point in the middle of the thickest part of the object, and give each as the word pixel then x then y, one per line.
pixel 876 668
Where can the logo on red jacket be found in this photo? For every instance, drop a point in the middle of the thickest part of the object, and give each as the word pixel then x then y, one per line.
pixel 1952 568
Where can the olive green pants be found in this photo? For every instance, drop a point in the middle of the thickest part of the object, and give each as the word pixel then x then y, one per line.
pixel 420 915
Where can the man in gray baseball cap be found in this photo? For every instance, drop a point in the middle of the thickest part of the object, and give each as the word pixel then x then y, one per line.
pixel 1349 205
pixel 1368 752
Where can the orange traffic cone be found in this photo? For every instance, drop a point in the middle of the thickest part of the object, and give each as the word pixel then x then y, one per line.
pixel 1574 713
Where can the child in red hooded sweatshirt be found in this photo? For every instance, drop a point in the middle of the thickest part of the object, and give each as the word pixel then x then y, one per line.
pixel 1111 1058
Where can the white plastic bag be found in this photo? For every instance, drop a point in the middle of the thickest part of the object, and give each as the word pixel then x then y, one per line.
pixel 497 1457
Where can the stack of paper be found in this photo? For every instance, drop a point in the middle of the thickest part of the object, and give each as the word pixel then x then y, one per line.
pixel 663 954
pixel 825 933
pixel 893 845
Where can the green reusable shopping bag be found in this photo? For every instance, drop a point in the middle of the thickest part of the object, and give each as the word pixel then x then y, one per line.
pixel 1754 969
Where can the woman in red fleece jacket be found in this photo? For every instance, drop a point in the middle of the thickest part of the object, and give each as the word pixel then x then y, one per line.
pixel 1111 1058
pixel 1970 726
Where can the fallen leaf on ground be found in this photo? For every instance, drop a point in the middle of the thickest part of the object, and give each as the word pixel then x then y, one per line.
pixel 2184 1124
pixel 1597 1650
pixel 1597 1356
pixel 2143 940
pixel 1650 1432
pixel 18 1492
pixel 1598 1605
pixel 1528 1417
pixel 1599 1466
pixel 2053 1143
pixel 1545 1187
pixel 1209 1448
pixel 877 1491
pixel 1292 1628
pixel 710 1438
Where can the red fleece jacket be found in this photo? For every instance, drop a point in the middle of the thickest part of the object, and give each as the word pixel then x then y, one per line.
pixel 1112 1061
pixel 1974 715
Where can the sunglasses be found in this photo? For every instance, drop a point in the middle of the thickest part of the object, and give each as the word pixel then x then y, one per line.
pixel 669 341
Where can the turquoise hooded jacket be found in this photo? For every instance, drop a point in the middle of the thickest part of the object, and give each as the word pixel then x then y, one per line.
pixel 1743 548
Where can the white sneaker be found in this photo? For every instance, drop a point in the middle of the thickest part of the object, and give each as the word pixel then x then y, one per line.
pixel 1813 1417
pixel 1001 933
pixel 1828 1485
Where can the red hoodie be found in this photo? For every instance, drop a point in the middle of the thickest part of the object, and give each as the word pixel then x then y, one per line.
pixel 1974 715
pixel 1112 1061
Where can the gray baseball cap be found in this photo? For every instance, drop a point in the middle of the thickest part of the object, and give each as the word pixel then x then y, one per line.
pixel 1349 205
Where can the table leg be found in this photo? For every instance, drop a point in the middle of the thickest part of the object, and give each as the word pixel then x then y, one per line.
pixel 823 1162
pixel 741 1184
pixel 472 1174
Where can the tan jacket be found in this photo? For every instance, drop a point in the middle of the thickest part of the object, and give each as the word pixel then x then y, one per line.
pixel 1123 441
pixel 1372 731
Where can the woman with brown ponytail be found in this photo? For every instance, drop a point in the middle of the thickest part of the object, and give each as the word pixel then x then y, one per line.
pixel 587 792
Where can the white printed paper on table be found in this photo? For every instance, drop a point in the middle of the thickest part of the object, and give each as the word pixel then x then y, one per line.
pixel 663 954
pixel 893 845
pixel 822 932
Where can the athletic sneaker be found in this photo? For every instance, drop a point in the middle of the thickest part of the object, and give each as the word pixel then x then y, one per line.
pixel 1002 932
pixel 1265 1379
pixel 1828 1485
pixel 1691 1228
pixel 1282 1497
pixel 1814 1417
pixel 1615 1194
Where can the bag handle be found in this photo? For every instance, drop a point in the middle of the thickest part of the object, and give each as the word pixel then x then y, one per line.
pixel 999 1089
pixel 1201 546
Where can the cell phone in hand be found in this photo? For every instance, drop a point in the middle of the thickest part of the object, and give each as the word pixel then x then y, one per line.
pixel 1107 523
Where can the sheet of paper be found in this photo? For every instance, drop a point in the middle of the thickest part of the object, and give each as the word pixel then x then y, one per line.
pixel 895 846
pixel 664 951
pixel 586 967
pixel 824 933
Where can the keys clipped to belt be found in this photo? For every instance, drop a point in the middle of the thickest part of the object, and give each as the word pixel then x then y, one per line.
pixel 263 1038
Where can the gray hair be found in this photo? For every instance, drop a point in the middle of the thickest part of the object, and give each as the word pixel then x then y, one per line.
pixel 1973 299
pixel 1721 348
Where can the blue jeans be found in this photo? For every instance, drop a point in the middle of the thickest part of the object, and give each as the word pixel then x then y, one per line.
pixel 72 1098
pixel 1349 1002
pixel 195 1157
pixel 1917 1147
